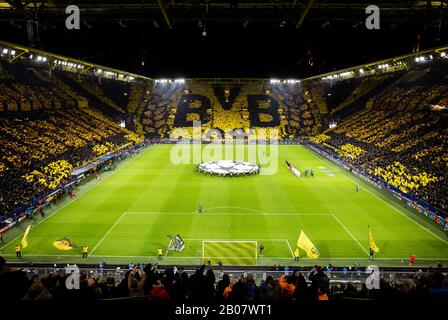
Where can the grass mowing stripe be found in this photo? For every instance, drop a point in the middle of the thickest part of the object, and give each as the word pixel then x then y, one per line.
pixel 339 169
pixel 152 185
pixel 108 232
pixel 235 251
pixel 76 198
pixel 68 203
pixel 351 234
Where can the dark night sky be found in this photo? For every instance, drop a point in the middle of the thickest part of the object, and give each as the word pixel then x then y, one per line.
pixel 229 50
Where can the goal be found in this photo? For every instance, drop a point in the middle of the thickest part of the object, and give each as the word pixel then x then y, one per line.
pixel 230 252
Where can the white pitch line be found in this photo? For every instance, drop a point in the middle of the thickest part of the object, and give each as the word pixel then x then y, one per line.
pixel 108 232
pixel 240 208
pixel 351 234
pixel 232 257
pixel 71 201
pixel 289 247
pixel 375 195
pixel 231 241
pixel 226 214
pixel 244 240
pixel 42 255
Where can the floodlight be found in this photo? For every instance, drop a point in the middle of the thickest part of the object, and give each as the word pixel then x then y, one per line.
pixel 420 59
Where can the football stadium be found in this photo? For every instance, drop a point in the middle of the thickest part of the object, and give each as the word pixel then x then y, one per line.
pixel 173 151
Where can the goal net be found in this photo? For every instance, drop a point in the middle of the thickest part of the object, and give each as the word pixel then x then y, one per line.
pixel 230 252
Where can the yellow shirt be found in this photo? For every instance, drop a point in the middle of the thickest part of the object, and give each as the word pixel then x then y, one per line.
pixel 160 252
pixel 18 248
pixel 85 249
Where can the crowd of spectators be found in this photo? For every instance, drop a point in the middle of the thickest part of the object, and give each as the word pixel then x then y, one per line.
pixel 399 138
pixel 156 111
pixel 91 85
pixel 229 109
pixel 45 133
pixel 206 285
pixel 40 148
pixel 21 96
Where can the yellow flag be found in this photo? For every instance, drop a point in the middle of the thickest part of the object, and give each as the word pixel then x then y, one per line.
pixel 305 243
pixel 25 237
pixel 372 242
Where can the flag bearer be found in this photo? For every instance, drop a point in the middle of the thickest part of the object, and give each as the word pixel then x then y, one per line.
pixel 18 251
pixel 160 253
pixel 85 250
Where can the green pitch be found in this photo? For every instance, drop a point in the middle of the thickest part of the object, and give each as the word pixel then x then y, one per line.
pixel 129 213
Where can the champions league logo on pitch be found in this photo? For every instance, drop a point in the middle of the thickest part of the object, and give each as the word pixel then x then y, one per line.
pixel 259 147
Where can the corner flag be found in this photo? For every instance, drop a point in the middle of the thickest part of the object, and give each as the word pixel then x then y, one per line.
pixel 372 242
pixel 305 243
pixel 25 237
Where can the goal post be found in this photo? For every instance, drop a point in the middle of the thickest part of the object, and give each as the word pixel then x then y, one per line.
pixel 230 252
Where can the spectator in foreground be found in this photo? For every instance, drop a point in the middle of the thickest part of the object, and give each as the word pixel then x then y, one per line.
pixel 287 287
pixel 136 280
pixel 158 292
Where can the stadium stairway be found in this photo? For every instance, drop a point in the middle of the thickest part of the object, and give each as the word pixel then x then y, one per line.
pixel 94 102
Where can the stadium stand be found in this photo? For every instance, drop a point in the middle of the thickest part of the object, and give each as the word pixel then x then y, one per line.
pixel 203 285
pixel 380 118
pixel 249 108
pixel 47 130
pixel 22 90
pixel 394 134
pixel 89 89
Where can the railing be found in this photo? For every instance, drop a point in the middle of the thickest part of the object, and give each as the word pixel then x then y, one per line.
pixel 358 275
pixel 285 141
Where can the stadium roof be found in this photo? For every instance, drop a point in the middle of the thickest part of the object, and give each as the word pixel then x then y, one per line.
pixel 12 53
pixel 215 38
pixel 173 12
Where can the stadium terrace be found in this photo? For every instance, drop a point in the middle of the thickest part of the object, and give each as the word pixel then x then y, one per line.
pixel 204 191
